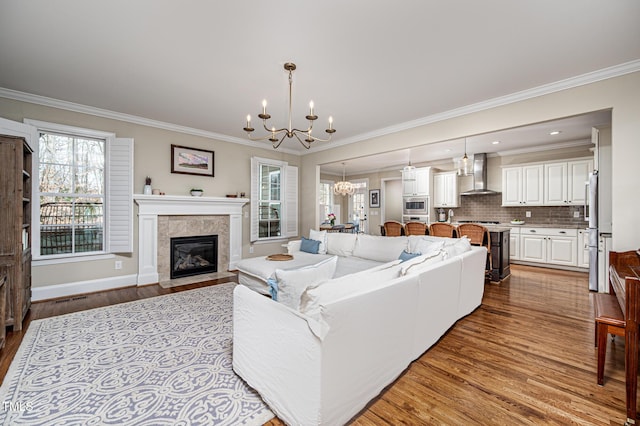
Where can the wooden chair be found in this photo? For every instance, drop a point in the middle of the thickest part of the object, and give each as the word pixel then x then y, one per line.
pixel 393 229
pixel 415 228
pixel 478 236
pixel 441 229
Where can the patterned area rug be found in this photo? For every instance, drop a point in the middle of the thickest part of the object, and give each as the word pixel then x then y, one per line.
pixel 165 360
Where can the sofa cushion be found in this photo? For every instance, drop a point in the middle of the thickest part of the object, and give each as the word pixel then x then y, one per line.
pixel 319 236
pixel 292 283
pixel 381 249
pixel 324 292
pixel 309 246
pixel 341 244
pixel 417 263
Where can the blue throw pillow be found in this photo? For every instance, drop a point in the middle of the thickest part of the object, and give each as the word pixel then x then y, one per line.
pixel 273 288
pixel 309 246
pixel 405 255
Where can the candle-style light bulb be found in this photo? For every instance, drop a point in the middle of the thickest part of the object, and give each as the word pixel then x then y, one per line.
pixel 264 106
pixel 330 122
pixel 311 107
pixel 248 120
pixel 273 131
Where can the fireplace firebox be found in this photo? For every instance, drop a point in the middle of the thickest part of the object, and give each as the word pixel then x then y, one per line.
pixel 194 255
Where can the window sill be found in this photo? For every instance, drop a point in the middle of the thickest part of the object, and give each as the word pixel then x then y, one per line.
pixel 43 261
pixel 271 241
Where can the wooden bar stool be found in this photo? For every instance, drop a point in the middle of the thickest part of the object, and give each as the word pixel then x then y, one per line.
pixel 609 320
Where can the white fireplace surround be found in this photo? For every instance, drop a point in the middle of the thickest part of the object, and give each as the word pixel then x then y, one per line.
pixel 152 206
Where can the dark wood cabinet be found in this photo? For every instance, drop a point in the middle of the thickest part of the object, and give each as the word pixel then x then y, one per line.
pixel 15 227
pixel 500 266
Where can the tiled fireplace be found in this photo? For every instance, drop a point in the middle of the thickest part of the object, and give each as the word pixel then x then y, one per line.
pixel 162 217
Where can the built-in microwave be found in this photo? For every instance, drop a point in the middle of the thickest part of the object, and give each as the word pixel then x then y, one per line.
pixel 415 205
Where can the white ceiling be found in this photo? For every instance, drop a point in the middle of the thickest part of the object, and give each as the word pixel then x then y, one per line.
pixel 372 65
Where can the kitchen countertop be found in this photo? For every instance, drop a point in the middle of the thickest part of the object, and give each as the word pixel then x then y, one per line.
pixel 493 227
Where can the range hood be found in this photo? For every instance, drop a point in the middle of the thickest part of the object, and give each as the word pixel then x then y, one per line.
pixel 479 176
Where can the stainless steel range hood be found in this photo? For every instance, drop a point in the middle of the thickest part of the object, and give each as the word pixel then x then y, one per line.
pixel 479 176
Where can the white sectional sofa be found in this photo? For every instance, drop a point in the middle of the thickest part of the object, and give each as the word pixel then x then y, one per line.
pixel 320 361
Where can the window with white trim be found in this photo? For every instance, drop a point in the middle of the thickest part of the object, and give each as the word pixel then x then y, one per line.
pixel 326 200
pixel 274 199
pixel 84 187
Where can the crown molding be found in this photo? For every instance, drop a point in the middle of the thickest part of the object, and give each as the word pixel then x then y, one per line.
pixel 113 115
pixel 580 80
pixel 588 78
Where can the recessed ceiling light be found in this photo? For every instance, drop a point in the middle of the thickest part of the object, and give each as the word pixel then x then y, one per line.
pixel 555 132
pixel 495 142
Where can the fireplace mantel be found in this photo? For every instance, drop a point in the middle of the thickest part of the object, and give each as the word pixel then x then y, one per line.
pixel 152 206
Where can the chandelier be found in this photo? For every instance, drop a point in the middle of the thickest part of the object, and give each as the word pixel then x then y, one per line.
pixel 464 165
pixel 276 136
pixel 343 187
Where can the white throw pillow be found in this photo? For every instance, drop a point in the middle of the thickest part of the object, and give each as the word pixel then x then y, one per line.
pixel 338 288
pixel 381 249
pixel 459 246
pixel 292 283
pixel 319 236
pixel 340 243
pixel 427 247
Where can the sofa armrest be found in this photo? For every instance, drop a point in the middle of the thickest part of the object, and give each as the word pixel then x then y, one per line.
pixel 276 354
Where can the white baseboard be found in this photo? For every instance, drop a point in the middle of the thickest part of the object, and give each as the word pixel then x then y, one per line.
pixel 80 287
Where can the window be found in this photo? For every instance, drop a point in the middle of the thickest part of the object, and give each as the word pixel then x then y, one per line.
pixel 326 199
pixel 274 199
pixel 359 204
pixel 84 202
pixel 71 171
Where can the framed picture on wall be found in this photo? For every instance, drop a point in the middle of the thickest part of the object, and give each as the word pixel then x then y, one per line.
pixel 374 198
pixel 191 161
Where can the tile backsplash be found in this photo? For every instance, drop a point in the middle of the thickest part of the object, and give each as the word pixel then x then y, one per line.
pixel 489 207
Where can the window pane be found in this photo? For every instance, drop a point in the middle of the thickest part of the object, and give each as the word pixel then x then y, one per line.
pixel 89 180
pixel 56 149
pixel 269 182
pixel 56 178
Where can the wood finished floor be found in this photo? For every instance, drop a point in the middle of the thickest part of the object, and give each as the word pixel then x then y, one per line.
pixel 526 356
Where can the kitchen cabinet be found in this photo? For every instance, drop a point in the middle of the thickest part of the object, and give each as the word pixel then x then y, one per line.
pixel 416 181
pixel 583 248
pixel 514 244
pixel 555 246
pixel 523 185
pixel 500 264
pixel 564 182
pixel 445 190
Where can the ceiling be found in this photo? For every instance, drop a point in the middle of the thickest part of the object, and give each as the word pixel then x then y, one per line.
pixel 574 132
pixel 202 66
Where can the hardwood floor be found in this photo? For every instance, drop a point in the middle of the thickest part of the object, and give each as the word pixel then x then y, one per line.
pixel 526 356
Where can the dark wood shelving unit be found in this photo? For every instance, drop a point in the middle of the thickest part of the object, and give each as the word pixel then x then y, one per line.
pixel 15 229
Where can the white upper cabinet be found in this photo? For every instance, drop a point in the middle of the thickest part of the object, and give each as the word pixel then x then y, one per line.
pixel 549 184
pixel 416 181
pixel 445 190
pixel 523 185
pixel 565 182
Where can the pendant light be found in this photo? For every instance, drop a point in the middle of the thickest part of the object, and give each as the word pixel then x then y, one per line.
pixel 464 166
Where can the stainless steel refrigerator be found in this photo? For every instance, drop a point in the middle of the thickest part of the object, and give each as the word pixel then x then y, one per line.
pixel 592 189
